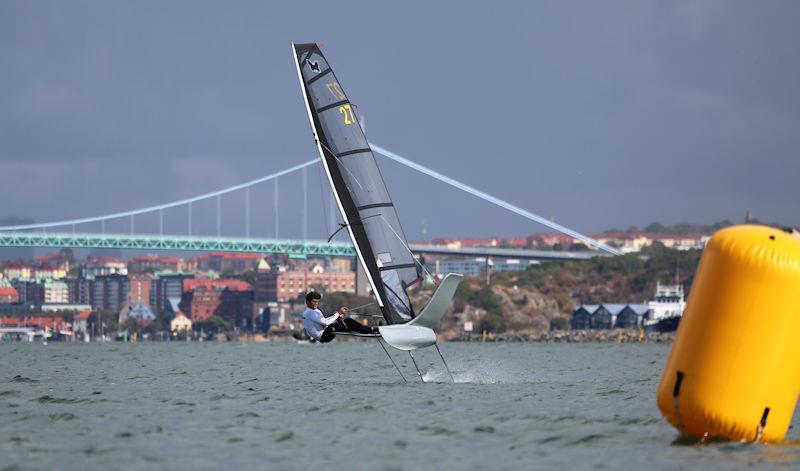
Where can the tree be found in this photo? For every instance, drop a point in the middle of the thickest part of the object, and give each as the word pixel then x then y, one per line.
pixel 249 277
pixel 559 323
pixel 492 322
pixel 213 324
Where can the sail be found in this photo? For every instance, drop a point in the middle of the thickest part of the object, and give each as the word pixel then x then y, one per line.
pixel 364 202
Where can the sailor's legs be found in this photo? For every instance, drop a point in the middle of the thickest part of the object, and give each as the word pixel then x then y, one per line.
pixel 350 325
pixel 346 325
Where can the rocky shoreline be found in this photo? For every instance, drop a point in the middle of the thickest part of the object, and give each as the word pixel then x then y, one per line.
pixel 568 336
pixel 554 336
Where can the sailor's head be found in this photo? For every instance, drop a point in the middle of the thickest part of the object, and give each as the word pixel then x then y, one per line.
pixel 312 299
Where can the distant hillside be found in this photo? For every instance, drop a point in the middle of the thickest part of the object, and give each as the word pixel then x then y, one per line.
pixel 543 296
pixel 685 228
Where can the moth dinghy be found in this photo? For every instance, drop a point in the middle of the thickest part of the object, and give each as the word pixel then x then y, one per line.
pixel 368 212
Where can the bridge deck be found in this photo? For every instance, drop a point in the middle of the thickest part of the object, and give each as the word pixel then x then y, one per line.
pixel 293 248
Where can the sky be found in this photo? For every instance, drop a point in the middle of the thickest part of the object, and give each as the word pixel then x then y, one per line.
pixel 593 114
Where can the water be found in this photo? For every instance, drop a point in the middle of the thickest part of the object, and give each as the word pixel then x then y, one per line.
pixel 291 406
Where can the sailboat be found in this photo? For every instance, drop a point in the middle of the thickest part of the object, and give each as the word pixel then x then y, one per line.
pixel 368 212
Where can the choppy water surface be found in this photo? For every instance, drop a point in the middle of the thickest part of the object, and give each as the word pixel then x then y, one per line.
pixel 291 406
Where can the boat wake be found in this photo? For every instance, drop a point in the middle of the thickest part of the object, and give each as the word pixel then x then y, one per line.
pixel 487 375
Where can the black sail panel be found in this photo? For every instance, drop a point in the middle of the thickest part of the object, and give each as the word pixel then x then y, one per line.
pixel 361 192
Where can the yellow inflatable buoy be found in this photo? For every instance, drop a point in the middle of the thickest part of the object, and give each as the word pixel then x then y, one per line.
pixel 734 368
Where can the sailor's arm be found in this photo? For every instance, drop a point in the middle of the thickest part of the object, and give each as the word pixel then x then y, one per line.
pixel 317 317
pixel 340 314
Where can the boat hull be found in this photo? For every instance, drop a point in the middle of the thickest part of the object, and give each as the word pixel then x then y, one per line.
pixel 407 337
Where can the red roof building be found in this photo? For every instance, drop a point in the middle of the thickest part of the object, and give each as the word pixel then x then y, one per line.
pixel 286 285
pixel 222 261
pixel 155 263
pixel 230 299
pixel 9 295
pixel 39 322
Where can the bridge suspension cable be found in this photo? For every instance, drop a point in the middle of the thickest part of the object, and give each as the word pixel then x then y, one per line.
pixel 102 219
pixel 385 152
pixel 496 201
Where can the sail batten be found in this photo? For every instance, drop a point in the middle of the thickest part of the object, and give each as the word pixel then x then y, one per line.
pixel 361 194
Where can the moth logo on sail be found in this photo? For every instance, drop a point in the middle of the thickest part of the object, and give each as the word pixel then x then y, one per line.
pixel 313 65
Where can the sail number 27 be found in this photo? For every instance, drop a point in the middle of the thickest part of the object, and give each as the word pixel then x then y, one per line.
pixel 348 114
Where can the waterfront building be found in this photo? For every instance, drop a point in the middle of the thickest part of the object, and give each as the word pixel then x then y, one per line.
pixel 180 323
pixel 263 291
pixel 29 292
pixel 7 292
pixel 63 307
pixel 608 316
pixel 342 265
pixel 167 285
pixel 605 316
pixel 140 285
pixel 41 291
pixel 110 291
pixel 80 323
pixel 139 312
pixel 172 307
pixel 8 295
pixel 55 292
pixel 230 299
pixel 632 315
pixel 102 266
pixel 283 285
pixel 37 322
pixel 466 266
pixel 47 272
pixel 58 260
pixel 81 290
pixel 477 266
pixel 231 262
pixel 511 264
pixel 582 316
pixel 16 309
pixel 17 271
pixel 153 263
pixel 292 284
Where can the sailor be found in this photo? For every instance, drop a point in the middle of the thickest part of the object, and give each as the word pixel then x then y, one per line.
pixel 322 328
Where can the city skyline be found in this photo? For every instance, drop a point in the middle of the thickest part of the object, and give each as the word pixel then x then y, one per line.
pixel 596 117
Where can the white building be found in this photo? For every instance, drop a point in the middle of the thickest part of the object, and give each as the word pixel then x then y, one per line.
pixel 180 323
pixel 80 324
pixel 56 292
pixel 102 266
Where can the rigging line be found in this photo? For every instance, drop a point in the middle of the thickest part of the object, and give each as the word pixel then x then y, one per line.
pixel 409 249
pixel 410 309
pixel 322 199
pixel 343 225
pixel 497 201
pixel 366 315
pixel 342 165
pixel 359 307
pixel 162 206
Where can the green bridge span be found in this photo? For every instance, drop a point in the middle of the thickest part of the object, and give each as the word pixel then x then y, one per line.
pixel 294 248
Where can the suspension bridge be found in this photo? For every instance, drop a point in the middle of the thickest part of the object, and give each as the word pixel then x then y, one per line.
pixel 73 233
